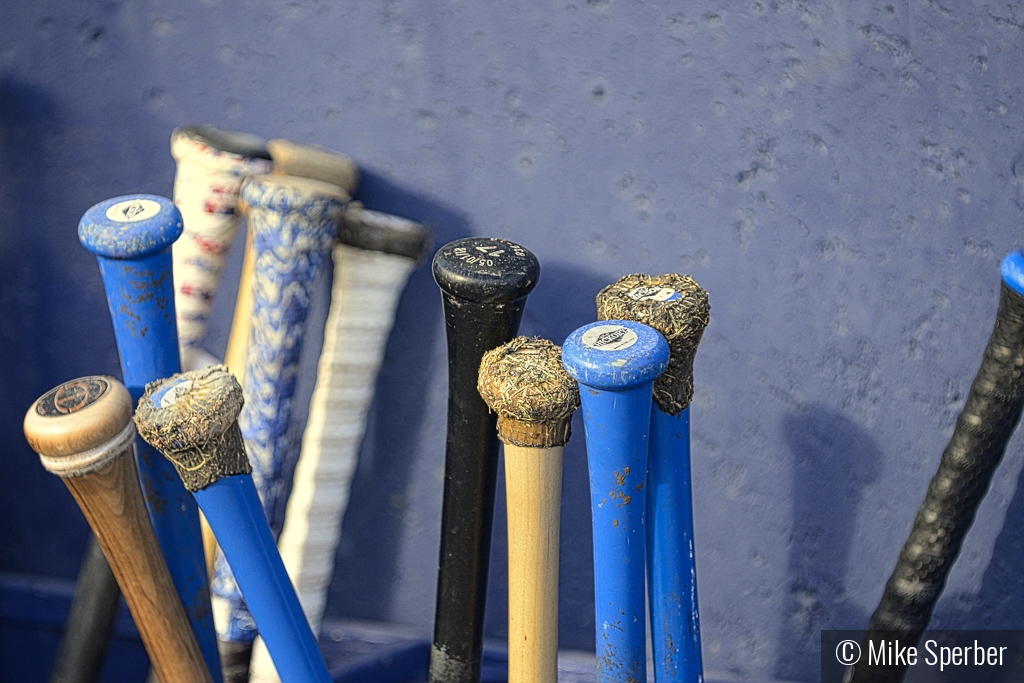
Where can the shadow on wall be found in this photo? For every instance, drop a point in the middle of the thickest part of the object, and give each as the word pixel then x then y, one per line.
pixel 833 461
pixel 366 563
pixel 30 298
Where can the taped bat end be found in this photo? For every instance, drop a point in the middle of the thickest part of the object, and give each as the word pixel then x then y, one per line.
pixel 524 382
pixel 314 161
pixel 674 305
pixel 192 419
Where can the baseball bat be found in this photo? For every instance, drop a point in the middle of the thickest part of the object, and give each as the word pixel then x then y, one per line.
pixel 316 162
pixel 193 419
pixel 524 382
pixel 83 432
pixel 983 428
pixel 484 283
pixel 296 159
pixel 211 163
pixel 293 222
pixel 373 257
pixel 616 363
pixel 131 237
pixel 677 307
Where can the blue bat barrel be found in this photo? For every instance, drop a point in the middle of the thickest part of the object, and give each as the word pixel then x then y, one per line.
pixel 616 363
pixel 131 237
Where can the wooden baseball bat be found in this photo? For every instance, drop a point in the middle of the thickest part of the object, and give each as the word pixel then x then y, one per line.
pixel 677 307
pixel 484 283
pixel 524 382
pixel 293 222
pixel 616 363
pixel 211 163
pixel 192 419
pixel 316 162
pixel 984 427
pixel 83 432
pixel 373 257
pixel 131 237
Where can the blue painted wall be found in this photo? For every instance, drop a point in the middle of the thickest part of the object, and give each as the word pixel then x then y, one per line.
pixel 843 180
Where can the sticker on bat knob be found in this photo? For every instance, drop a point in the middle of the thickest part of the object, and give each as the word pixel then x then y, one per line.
pixel 133 210
pixel 169 394
pixel 653 293
pixel 72 396
pixel 609 338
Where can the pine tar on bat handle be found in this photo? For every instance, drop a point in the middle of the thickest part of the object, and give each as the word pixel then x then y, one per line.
pixel 484 284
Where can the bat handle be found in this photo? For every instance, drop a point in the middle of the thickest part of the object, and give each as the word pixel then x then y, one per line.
pixel 211 163
pixel 131 237
pixel 292 222
pixel 524 382
pixel 616 363
pixel 192 419
pixel 83 432
pixel 671 565
pixel 988 419
pixel 235 513
pixel 484 284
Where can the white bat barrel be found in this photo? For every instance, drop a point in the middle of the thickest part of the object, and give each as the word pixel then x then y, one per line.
pixel 373 258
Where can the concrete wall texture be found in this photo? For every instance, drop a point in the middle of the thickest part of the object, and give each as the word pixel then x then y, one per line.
pixel 843 179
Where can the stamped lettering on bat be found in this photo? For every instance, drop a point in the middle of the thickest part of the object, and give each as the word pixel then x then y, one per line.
pixel 72 396
pixel 133 210
pixel 653 293
pixel 487 254
pixel 609 338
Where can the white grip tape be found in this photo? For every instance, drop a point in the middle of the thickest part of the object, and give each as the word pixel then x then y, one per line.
pixel 207 196
pixel 367 287
pixel 92 460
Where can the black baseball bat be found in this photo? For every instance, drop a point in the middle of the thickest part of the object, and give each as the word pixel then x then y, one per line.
pixel 984 427
pixel 484 284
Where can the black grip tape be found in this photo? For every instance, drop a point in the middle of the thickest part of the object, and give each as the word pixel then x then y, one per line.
pixel 984 427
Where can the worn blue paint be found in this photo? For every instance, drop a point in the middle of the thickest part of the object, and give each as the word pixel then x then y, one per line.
pixel 671 558
pixel 235 513
pixel 616 400
pixel 135 263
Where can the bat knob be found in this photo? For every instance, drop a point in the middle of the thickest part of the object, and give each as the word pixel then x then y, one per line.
pixel 615 355
pixel 524 382
pixel 313 161
pixel 191 418
pixel 674 305
pixel 383 232
pixel 130 227
pixel 486 270
pixel 221 142
pixel 81 425
pixel 1013 271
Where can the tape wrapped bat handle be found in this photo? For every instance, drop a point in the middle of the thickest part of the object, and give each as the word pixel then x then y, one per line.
pixel 983 429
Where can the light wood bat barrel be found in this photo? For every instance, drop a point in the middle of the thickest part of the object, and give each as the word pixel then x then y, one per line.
pixel 524 382
pixel 83 433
